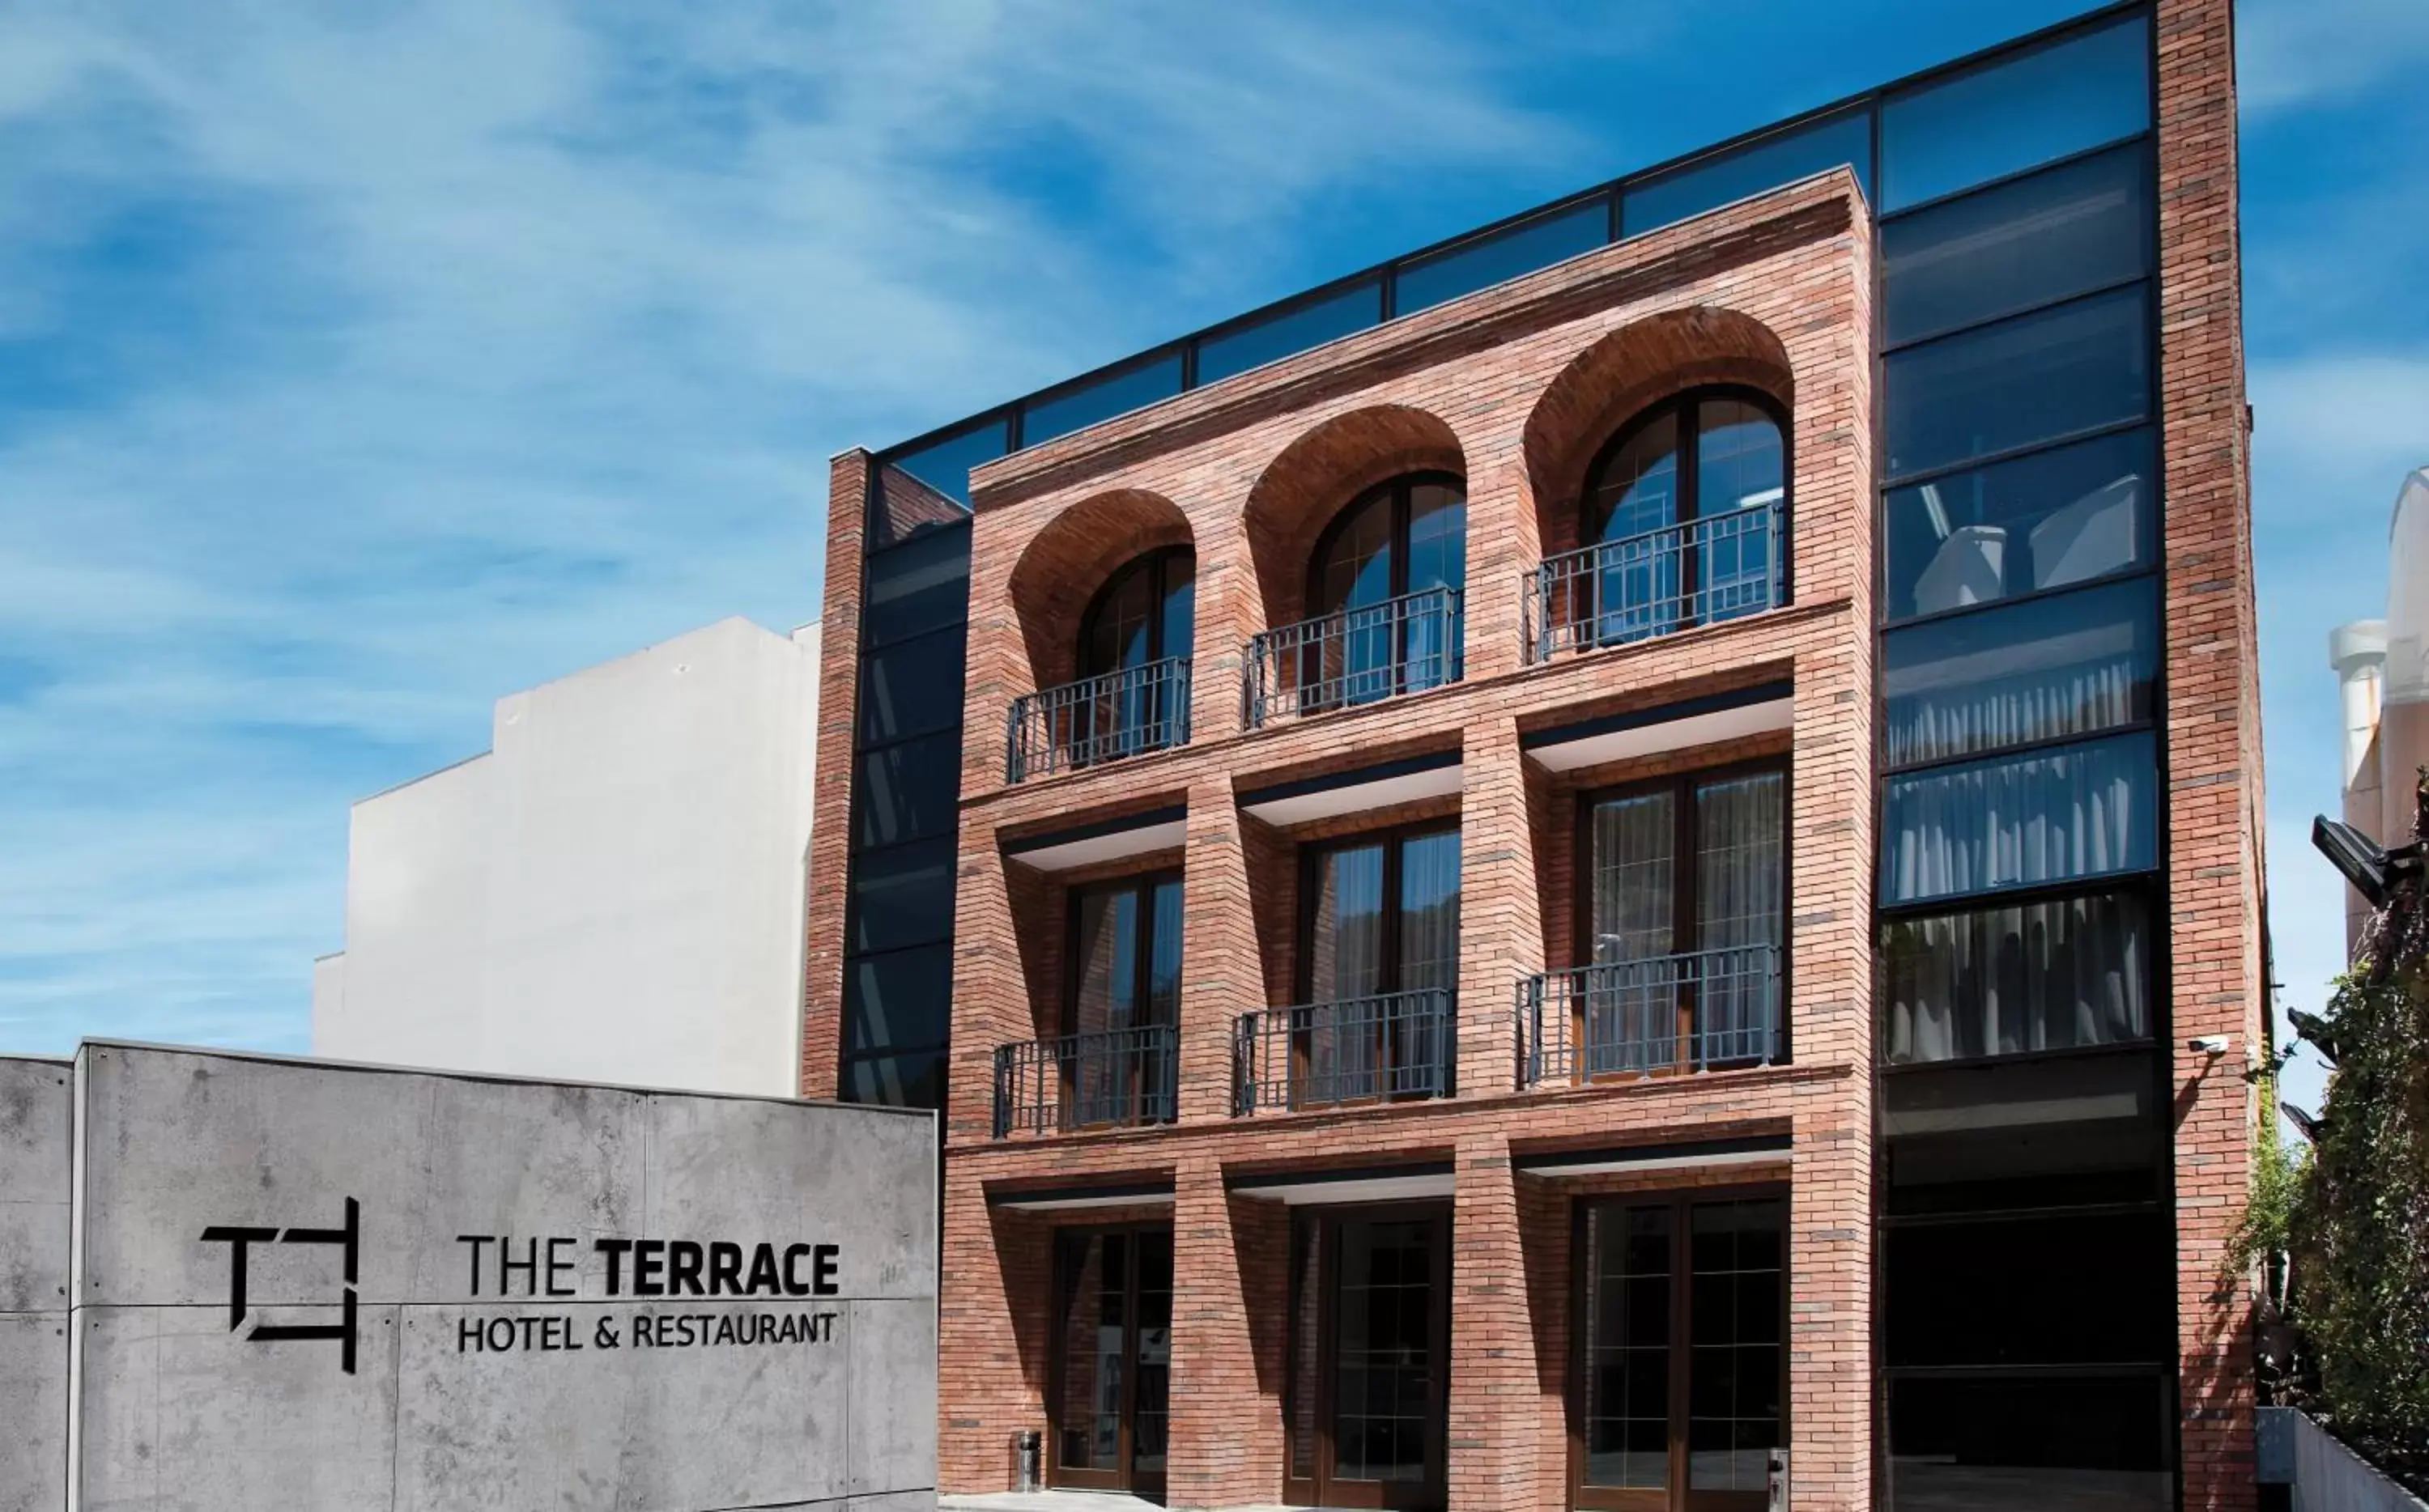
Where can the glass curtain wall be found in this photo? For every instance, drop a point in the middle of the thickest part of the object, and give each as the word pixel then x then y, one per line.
pixel 2020 907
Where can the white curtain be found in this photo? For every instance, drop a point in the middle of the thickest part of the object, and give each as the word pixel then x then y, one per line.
pixel 2051 817
pixel 2049 976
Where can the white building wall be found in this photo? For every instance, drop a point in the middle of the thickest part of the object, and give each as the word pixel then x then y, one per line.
pixel 612 892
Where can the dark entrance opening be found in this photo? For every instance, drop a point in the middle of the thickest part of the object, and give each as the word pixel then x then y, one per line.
pixel 1369 1357
pixel 1112 1367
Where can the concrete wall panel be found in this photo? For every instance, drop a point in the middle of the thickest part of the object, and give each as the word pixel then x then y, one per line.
pixel 36 1141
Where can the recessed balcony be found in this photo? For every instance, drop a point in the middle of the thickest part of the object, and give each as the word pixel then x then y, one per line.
pixel 1352 656
pixel 1113 1078
pixel 1656 1015
pixel 1098 719
pixel 1391 1047
pixel 1658 582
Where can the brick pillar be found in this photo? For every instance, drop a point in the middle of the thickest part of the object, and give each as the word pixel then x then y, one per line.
pixel 1831 1377
pixel 1496 1410
pixel 1229 1284
pixel 991 1336
pixel 1500 930
pixel 1227 612
pixel 2213 739
pixel 821 1043
pixel 991 1005
pixel 1222 973
pixel 1501 550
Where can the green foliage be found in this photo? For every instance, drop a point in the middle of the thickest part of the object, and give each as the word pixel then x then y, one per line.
pixel 2277 1178
pixel 2358 1226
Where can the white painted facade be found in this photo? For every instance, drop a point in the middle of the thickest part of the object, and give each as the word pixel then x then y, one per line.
pixel 612 892
pixel 2382 668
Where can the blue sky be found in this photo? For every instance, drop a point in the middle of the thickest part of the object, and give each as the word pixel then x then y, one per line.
pixel 360 361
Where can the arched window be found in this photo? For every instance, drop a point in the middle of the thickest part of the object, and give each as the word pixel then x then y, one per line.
pixel 1682 516
pixel 1384 586
pixel 1134 648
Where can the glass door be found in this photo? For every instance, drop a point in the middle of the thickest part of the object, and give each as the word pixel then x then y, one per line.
pixel 1112 1368
pixel 1370 1352
pixel 1682 1352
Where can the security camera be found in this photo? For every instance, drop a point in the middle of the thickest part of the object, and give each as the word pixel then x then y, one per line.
pixel 2208 1044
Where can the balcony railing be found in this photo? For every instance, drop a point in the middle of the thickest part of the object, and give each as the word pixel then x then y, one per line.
pixel 1098 719
pixel 1658 582
pixel 1665 1013
pixel 1353 656
pixel 1399 1046
pixel 1117 1078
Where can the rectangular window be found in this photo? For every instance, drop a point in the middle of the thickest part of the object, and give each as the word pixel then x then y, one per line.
pixel 1509 254
pixel 912 688
pixel 908 792
pixel 1099 400
pixel 2061 974
pixel 1122 1000
pixel 901 1000
pixel 2043 521
pixel 2008 116
pixel 2057 815
pixel 1684 1344
pixel 1755 168
pixel 1687 892
pixel 2040 377
pixel 2032 242
pixel 915 1078
pixel 1378 965
pixel 919 586
pixel 1287 333
pixel 942 468
pixel 2046 670
pixel 902 896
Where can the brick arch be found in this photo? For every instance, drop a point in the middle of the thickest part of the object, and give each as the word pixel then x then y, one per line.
pixel 1619 376
pixel 1076 553
pixel 1304 487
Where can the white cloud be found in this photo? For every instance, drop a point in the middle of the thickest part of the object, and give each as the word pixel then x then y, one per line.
pixel 369 360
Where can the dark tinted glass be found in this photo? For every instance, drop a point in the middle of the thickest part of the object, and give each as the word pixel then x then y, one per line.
pixel 2046 670
pixel 945 467
pixel 2034 1437
pixel 1076 409
pixel 899 1000
pixel 1298 329
pixel 2054 815
pixel 2008 117
pixel 916 1079
pixel 908 792
pixel 1752 169
pixel 2035 378
pixel 2028 243
pixel 2042 521
pixel 920 585
pixel 1504 255
pixel 903 897
pixel 914 688
pixel 2051 975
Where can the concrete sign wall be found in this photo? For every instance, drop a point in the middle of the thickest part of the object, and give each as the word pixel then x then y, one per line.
pixel 37 1126
pixel 304 1285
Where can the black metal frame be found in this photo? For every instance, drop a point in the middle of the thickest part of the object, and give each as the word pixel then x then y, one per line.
pixel 1098 719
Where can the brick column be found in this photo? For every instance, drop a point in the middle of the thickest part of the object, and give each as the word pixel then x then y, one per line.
pixel 1496 1410
pixel 821 1047
pixel 2213 738
pixel 1229 1286
pixel 1221 974
pixel 1501 548
pixel 991 1336
pixel 991 1003
pixel 1500 930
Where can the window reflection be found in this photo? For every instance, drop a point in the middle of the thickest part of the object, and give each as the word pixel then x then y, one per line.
pixel 2036 378
pixel 2044 521
pixel 2008 116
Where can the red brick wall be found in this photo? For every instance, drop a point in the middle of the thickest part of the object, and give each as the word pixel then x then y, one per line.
pixel 847 484
pixel 1516 386
pixel 2213 737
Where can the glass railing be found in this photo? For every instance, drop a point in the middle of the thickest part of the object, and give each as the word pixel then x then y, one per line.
pixel 1660 1013
pixel 1658 582
pixel 1115 1079
pixel 1353 656
pixel 1386 1049
pixel 1098 719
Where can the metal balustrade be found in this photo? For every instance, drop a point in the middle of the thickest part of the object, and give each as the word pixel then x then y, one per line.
pixel 1399 1045
pixel 1353 656
pixel 1098 719
pixel 1661 1013
pixel 1658 582
pixel 1115 1079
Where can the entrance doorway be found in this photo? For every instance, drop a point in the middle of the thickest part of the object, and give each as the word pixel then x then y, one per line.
pixel 1369 1357
pixel 1112 1364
